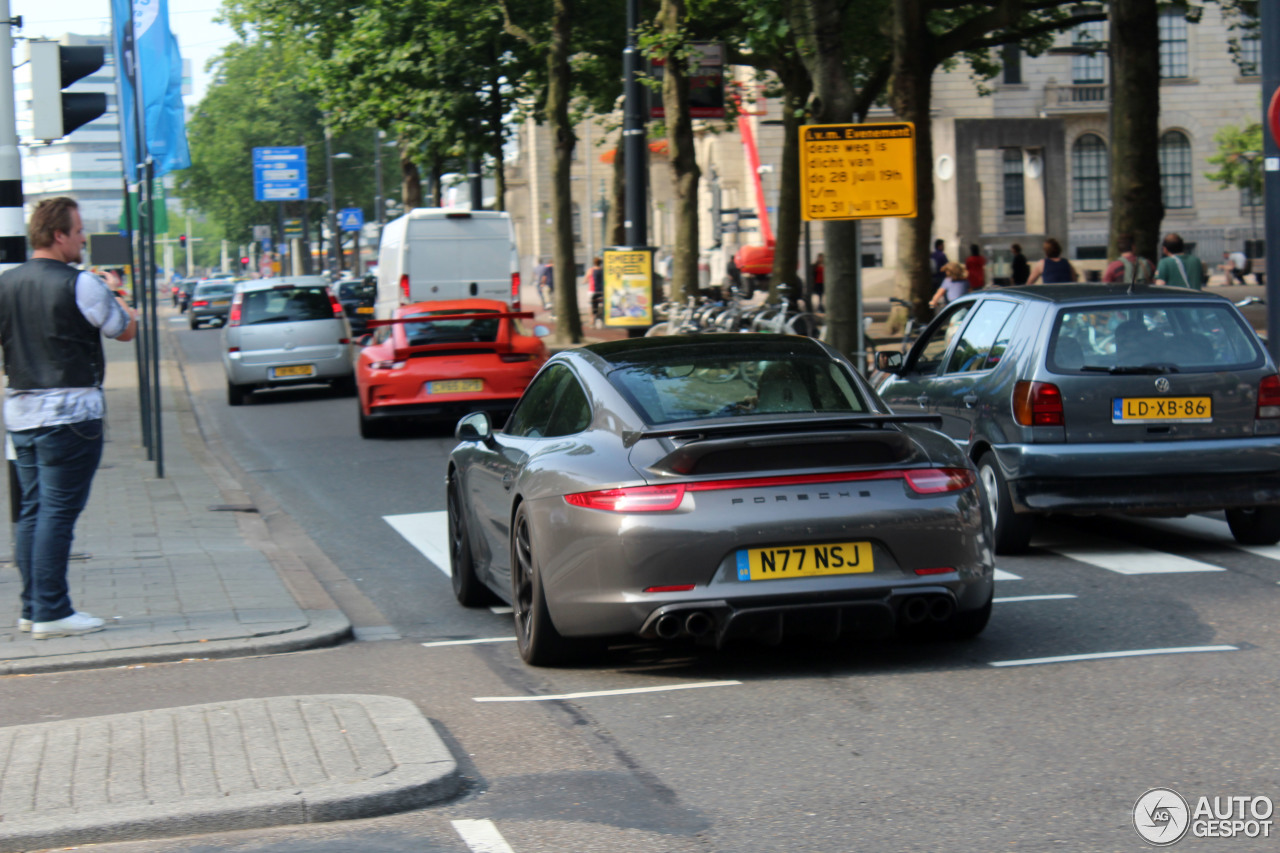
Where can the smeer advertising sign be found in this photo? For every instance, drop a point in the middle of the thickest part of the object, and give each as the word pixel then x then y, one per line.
pixel 628 287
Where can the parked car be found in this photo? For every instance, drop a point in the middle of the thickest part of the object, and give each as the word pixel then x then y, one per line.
pixel 357 297
pixel 210 302
pixel 444 359
pixel 285 331
pixel 713 487
pixel 1086 398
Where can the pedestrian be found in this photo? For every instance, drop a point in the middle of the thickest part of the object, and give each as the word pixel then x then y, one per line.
pixel 1129 268
pixel 595 287
pixel 939 260
pixel 52 319
pixel 976 268
pixel 1234 266
pixel 547 286
pixel 1178 267
pixel 955 283
pixel 1020 269
pixel 1053 269
pixel 819 281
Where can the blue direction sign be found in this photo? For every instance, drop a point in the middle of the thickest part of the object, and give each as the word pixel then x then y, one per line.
pixel 350 219
pixel 280 174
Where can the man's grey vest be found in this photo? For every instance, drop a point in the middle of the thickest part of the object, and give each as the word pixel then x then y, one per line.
pixel 47 341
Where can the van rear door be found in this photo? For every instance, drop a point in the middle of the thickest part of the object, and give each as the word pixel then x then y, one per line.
pixel 459 257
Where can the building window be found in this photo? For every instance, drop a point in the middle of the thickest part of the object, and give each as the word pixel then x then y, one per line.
pixel 1089 174
pixel 1175 170
pixel 577 222
pixel 1249 58
pixel 1014 202
pixel 1011 56
pixel 1089 68
pixel 1173 43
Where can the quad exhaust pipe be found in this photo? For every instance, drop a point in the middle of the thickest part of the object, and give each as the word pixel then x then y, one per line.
pixel 937 608
pixel 696 624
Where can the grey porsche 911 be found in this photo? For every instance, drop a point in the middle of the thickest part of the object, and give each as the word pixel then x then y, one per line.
pixel 714 487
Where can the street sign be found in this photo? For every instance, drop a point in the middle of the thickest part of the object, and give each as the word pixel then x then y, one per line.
pixel 262 232
pixel 350 219
pixel 858 171
pixel 292 228
pixel 280 174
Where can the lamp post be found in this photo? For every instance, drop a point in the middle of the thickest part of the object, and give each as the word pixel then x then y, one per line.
pixel 1252 158
pixel 331 214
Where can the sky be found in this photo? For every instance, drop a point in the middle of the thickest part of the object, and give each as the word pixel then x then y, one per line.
pixel 199 38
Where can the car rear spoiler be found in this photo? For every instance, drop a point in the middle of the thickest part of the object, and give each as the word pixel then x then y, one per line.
pixel 704 429
pixel 488 315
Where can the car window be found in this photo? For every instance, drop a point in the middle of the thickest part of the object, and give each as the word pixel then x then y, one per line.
pixel 215 289
pixel 452 331
pixel 285 304
pixel 533 413
pixel 972 352
pixel 1188 337
pixel 356 290
pixel 573 410
pixel 931 349
pixel 680 388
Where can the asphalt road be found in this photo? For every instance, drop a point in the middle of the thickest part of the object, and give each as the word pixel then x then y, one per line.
pixel 998 743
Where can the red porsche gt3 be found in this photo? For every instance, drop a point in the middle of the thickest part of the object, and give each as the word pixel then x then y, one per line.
pixel 444 360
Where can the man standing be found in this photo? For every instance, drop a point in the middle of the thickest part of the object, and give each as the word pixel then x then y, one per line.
pixel 938 259
pixel 52 318
pixel 1128 268
pixel 1178 267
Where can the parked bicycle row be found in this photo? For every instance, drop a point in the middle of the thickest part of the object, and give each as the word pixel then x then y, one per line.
pixel 703 314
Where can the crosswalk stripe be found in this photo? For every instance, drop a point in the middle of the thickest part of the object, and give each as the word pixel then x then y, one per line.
pixel 481 836
pixel 426 531
pixel 1213 529
pixel 1131 561
pixel 1002 575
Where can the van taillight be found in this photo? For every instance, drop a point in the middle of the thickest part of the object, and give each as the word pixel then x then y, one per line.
pixel 334 303
pixel 1269 397
pixel 1037 404
pixel 404 287
pixel 234 318
pixel 515 291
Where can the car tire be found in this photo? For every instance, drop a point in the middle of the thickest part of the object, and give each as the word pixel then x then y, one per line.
pixel 369 427
pixel 537 639
pixel 236 394
pixel 192 324
pixel 1255 525
pixel 967 624
pixel 1012 530
pixel 467 588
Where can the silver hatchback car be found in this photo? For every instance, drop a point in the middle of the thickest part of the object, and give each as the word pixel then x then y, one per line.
pixel 286 331
pixel 1086 398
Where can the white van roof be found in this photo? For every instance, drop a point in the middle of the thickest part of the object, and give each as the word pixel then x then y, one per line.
pixel 454 213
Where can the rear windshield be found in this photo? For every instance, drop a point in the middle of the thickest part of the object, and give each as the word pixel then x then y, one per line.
pixel 356 291
pixel 285 304
pixel 217 289
pixel 452 331
pixel 684 389
pixel 1182 337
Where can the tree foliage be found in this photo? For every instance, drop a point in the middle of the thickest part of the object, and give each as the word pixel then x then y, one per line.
pixel 1239 158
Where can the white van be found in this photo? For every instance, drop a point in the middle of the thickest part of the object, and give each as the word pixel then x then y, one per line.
pixel 433 254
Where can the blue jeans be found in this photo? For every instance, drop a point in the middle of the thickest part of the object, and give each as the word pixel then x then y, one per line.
pixel 55 470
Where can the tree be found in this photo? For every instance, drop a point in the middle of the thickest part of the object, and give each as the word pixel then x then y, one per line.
pixel 1136 204
pixel 1239 158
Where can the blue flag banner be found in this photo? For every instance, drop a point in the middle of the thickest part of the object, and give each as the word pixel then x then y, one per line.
pixel 148 60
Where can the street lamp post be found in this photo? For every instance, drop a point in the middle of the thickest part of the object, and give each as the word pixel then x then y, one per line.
pixel 1252 158
pixel 331 214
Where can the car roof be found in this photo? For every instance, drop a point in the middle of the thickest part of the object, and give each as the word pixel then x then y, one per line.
pixel 1064 294
pixel 296 280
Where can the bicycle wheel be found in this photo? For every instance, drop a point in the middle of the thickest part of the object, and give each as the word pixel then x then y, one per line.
pixel 803 324
pixel 658 329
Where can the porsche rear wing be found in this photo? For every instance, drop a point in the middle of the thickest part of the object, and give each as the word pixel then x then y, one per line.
pixel 501 340
pixel 438 318
pixel 713 428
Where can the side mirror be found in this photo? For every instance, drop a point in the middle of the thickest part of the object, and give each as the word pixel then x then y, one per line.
pixel 365 340
pixel 540 331
pixel 889 362
pixel 474 427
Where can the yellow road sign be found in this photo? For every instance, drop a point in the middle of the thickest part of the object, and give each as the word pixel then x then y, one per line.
pixel 858 171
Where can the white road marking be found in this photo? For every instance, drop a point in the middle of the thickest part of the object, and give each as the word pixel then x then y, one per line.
pixel 426 531
pixel 1002 575
pixel 501 610
pixel 1184 650
pixel 594 693
pixel 1131 561
pixel 439 643
pixel 481 836
pixel 1209 528
pixel 1055 597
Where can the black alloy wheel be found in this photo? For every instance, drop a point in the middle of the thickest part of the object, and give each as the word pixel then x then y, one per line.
pixel 539 643
pixel 235 394
pixel 1258 525
pixel 1012 530
pixel 467 588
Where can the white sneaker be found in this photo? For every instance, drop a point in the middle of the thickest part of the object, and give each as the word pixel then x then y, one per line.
pixel 73 625
pixel 24 624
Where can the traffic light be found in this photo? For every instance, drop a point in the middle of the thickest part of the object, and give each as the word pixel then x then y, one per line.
pixel 182 240
pixel 54 67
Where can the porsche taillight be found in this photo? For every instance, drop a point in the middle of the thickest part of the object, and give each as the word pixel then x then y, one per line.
pixel 386 365
pixel 1269 397
pixel 1037 404
pixel 634 499
pixel 935 481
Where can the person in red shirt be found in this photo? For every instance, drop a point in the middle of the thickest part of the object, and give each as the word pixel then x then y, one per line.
pixel 976 267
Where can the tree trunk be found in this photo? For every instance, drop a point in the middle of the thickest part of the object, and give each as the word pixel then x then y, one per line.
pixel 911 92
pixel 568 322
pixel 786 249
pixel 410 178
pixel 832 103
pixel 684 163
pixel 1136 206
pixel 496 109
pixel 615 222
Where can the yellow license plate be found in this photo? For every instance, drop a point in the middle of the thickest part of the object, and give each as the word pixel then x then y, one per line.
pixel 1126 410
pixel 218 303
pixel 455 386
pixel 804 561
pixel 295 370
pixel 364 309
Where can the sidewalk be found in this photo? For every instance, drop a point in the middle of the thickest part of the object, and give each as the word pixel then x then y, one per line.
pixel 185 567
